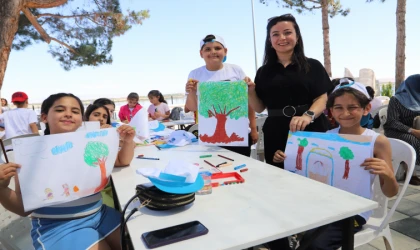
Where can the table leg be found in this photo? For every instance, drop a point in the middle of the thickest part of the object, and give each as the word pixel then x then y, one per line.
pixel 348 234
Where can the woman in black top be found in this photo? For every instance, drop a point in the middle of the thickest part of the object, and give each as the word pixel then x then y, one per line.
pixel 291 86
pixel 403 107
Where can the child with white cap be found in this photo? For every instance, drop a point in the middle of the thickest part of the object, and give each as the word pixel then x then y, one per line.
pixel 213 50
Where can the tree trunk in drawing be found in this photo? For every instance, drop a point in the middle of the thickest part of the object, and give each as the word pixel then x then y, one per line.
pixel 220 134
pixel 104 179
pixel 302 144
pixel 347 155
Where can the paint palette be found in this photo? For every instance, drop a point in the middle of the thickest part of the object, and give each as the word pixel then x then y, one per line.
pixel 221 179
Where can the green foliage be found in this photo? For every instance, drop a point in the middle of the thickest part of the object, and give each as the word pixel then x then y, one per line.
pixel 222 97
pixel 95 151
pixel 386 89
pixel 303 143
pixel 85 33
pixel 346 153
pixel 334 6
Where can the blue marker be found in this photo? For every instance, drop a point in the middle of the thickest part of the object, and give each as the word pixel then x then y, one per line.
pixel 239 167
pixel 147 158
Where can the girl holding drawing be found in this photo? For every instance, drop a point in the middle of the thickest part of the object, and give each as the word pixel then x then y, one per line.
pixel 348 103
pixel 292 87
pixel 81 224
pixel 158 109
pixel 213 50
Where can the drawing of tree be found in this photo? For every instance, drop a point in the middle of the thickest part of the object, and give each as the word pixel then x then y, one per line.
pixel 96 154
pixel 347 155
pixel 230 103
pixel 302 144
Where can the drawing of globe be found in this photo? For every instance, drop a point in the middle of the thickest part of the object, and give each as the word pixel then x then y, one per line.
pixel 320 165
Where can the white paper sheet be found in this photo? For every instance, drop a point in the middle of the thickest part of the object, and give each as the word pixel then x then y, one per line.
pixel 332 159
pixel 140 122
pixel 63 167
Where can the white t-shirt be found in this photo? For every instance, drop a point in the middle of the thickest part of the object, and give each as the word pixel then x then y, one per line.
pixel 367 132
pixel 375 103
pixel 229 72
pixel 16 121
pixel 161 108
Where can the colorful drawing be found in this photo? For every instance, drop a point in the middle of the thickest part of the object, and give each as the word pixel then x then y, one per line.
pixel 223 113
pixel 73 165
pixel 66 190
pixel 49 194
pixel 347 155
pixel 320 165
pixel 96 154
pixel 326 158
pixel 302 144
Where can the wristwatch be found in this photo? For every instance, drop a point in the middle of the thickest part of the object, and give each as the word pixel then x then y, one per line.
pixel 310 114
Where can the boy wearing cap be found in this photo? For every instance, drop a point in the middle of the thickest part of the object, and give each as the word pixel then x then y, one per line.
pixel 213 50
pixel 19 121
pixel 128 111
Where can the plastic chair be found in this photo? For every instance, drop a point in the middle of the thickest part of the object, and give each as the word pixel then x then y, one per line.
pixel 15 231
pixel 383 115
pixel 377 225
pixel 376 111
pixel 194 130
pixel 257 150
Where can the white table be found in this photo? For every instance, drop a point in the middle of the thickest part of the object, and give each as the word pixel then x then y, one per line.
pixel 271 204
pixel 178 122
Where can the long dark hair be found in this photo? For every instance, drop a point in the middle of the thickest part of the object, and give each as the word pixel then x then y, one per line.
pixel 94 107
pixel 5 101
pixel 103 102
pixel 157 93
pixel 298 57
pixel 49 102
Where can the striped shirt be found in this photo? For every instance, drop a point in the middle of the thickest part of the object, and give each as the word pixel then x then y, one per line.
pixel 70 210
pixel 399 118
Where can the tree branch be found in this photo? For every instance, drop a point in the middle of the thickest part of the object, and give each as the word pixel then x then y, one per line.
pixel 221 111
pixel 215 112
pixel 38 4
pixel 36 25
pixel 209 111
pixel 60 16
pixel 232 110
pixel 224 112
pixel 65 45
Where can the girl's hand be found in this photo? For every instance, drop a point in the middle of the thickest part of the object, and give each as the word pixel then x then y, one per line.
pixel 191 86
pixel 254 136
pixel 250 83
pixel 378 166
pixel 106 126
pixel 6 172
pixel 299 123
pixel 126 132
pixel 157 114
pixel 279 156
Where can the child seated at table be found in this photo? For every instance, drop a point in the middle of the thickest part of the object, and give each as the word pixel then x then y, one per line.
pixel 84 223
pixel 348 102
pixel 158 109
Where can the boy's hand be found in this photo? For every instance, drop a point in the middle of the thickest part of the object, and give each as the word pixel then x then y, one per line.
pixel 126 132
pixel 254 136
pixel 191 86
pixel 7 171
pixel 279 156
pixel 378 166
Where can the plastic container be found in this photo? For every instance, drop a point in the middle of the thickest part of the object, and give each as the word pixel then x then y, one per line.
pixel 207 188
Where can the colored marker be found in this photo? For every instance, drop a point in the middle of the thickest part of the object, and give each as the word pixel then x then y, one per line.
pixel 243 170
pixel 239 167
pixel 225 157
pixel 218 165
pixel 157 147
pixel 205 156
pixel 147 158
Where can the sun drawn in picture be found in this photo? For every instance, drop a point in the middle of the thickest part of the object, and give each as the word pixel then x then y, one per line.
pixel 347 155
pixel 223 101
pixel 96 154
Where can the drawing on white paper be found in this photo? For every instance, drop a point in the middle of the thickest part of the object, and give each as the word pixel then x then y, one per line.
pixel 223 113
pixel 332 159
pixel 60 168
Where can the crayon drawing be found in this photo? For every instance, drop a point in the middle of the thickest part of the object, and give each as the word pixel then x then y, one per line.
pixel 332 159
pixel 223 113
pixel 63 167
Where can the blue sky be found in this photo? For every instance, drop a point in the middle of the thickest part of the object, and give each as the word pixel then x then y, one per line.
pixel 160 53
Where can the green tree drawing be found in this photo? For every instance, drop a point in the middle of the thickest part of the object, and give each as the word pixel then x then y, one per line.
pixel 96 154
pixel 223 100
pixel 347 155
pixel 302 144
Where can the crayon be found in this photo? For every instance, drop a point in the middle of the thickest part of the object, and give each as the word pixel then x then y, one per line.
pixel 205 156
pixel 225 157
pixel 239 167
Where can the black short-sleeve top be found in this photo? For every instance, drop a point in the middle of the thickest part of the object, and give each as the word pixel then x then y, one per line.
pixel 278 86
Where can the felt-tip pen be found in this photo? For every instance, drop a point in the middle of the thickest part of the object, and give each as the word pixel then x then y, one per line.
pixel 239 167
